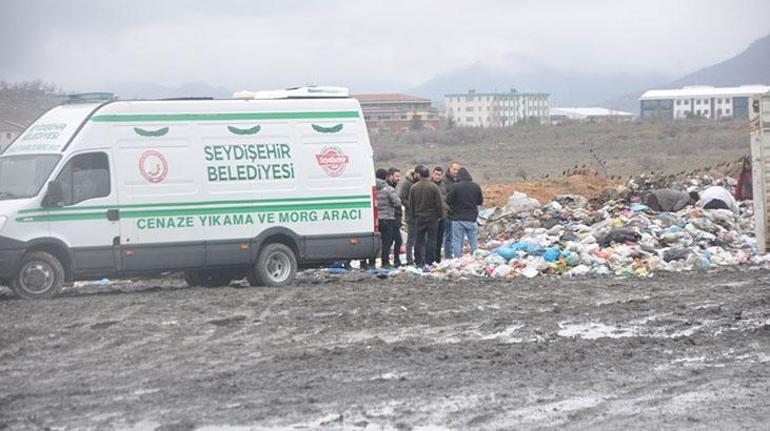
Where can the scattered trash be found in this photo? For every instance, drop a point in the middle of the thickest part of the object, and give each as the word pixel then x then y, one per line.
pixel 336 270
pixel 573 236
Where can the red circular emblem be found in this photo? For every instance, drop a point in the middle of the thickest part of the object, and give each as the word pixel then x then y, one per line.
pixel 153 166
pixel 332 160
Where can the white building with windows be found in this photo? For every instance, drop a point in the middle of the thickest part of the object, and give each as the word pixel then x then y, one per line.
pixel 699 101
pixel 473 109
pixel 593 114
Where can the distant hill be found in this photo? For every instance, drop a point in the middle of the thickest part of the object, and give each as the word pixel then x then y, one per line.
pixel 151 90
pixel 23 102
pixel 567 88
pixel 752 66
pixel 570 88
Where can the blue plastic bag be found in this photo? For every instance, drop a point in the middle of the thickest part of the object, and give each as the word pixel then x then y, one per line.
pixel 506 253
pixel 336 270
pixel 552 254
pixel 520 246
pixel 673 229
pixel 535 249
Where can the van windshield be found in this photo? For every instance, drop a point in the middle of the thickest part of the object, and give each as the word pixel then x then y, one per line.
pixel 23 176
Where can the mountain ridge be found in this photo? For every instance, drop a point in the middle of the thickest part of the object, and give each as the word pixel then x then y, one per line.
pixel 612 90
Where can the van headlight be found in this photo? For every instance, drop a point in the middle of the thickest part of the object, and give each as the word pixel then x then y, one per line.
pixel 3 220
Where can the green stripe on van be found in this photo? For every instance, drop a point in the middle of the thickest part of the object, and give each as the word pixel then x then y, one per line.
pixel 193 204
pixel 223 116
pixel 193 211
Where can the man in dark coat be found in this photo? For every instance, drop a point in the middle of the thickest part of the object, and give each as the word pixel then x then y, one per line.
pixel 464 198
pixel 450 177
pixel 441 237
pixel 427 209
pixel 403 193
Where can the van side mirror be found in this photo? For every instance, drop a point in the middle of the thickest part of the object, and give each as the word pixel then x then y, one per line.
pixel 54 197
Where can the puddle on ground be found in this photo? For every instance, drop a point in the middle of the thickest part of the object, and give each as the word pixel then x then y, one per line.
pixel 594 331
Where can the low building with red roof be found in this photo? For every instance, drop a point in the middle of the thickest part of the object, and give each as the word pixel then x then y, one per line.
pixel 396 112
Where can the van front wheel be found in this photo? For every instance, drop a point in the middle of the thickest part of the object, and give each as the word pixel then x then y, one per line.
pixel 40 276
pixel 276 266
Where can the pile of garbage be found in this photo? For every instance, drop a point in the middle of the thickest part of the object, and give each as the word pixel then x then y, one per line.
pixel 571 236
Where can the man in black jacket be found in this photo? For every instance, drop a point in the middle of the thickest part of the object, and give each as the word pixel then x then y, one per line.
pixel 441 237
pixel 427 207
pixel 403 192
pixel 464 198
pixel 451 177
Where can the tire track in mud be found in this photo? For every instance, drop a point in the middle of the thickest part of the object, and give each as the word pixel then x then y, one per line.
pixel 672 352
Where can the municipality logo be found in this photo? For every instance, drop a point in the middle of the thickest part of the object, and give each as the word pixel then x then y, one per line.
pixel 332 160
pixel 153 166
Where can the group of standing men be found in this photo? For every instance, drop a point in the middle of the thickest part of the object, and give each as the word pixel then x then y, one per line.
pixel 440 209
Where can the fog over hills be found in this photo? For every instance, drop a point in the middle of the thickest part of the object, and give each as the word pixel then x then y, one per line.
pixel 513 71
pixel 525 74
pixel 573 88
pixel 752 66
pixel 151 90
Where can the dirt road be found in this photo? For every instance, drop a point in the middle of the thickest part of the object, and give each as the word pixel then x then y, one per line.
pixel 688 351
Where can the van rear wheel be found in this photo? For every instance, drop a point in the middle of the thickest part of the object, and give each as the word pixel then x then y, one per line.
pixel 191 278
pixel 276 266
pixel 40 276
pixel 211 278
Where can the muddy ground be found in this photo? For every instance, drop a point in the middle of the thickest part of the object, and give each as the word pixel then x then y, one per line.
pixel 686 351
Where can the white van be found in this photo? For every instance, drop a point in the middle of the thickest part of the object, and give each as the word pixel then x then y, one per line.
pixel 218 189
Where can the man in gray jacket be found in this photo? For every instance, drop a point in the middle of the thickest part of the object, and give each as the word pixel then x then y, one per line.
pixel 669 200
pixel 387 202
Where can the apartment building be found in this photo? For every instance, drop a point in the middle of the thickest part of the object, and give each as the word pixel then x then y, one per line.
pixel 699 101
pixel 473 109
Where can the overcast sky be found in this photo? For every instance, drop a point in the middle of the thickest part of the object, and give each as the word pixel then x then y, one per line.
pixel 366 45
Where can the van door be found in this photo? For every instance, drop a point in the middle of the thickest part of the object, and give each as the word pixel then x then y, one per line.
pixel 86 221
pixel 159 204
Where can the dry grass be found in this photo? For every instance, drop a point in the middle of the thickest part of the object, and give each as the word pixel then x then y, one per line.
pixel 614 150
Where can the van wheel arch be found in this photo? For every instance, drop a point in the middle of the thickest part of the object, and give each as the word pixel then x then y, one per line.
pixel 282 236
pixel 277 235
pixel 58 250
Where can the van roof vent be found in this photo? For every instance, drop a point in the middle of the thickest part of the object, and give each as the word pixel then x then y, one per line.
pixel 312 92
pixel 70 99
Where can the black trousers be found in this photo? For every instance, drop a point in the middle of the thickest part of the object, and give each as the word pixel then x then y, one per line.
pixel 397 243
pixel 410 242
pixel 389 230
pixel 425 231
pixel 439 239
